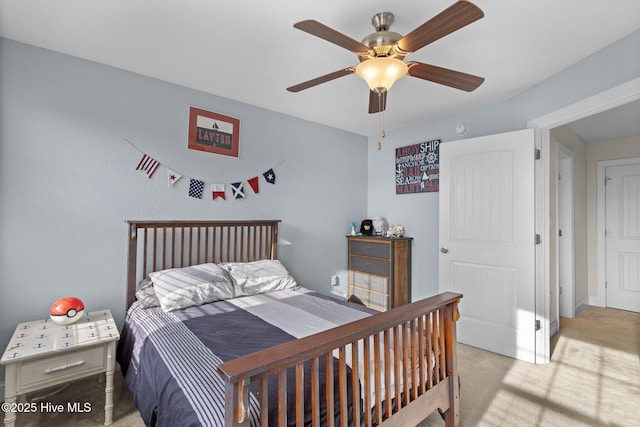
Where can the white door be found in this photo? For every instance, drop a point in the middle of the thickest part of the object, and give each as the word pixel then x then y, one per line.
pixel 565 248
pixel 487 239
pixel 622 221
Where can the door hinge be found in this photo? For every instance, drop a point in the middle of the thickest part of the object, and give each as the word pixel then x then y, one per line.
pixel 538 327
pixel 536 154
pixel 538 239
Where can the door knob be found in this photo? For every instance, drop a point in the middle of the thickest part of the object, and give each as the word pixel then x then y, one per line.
pixel 444 250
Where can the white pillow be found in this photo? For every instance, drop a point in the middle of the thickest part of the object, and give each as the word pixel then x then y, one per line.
pixel 178 288
pixel 257 277
pixel 146 295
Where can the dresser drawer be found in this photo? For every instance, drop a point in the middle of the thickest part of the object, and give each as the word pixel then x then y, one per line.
pixel 373 300
pixel 369 265
pixel 374 249
pixel 366 281
pixel 69 365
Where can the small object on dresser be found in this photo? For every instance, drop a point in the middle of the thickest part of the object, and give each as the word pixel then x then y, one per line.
pixel 66 310
pixel 366 227
pixel 380 226
pixel 353 229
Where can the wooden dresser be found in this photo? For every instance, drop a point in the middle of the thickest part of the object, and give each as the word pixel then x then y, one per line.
pixel 380 270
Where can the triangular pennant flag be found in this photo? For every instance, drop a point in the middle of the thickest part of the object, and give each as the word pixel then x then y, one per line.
pixel 270 176
pixel 172 177
pixel 196 187
pixel 238 190
pixel 253 182
pixel 217 190
pixel 148 165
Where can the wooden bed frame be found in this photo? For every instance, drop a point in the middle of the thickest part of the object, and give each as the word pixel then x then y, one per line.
pixel 426 327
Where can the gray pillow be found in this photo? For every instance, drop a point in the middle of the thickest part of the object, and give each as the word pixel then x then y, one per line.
pixel 178 288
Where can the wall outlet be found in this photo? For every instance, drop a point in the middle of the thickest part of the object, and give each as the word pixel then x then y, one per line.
pixel 334 280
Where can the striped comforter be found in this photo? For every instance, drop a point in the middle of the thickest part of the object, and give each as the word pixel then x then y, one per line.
pixel 169 359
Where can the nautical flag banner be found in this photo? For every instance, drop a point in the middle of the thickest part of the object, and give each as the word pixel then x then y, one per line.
pixel 172 177
pixel 148 165
pixel 196 187
pixel 217 190
pixel 253 182
pixel 270 176
pixel 238 190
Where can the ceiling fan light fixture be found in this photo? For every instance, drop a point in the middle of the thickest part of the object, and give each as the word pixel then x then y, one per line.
pixel 381 73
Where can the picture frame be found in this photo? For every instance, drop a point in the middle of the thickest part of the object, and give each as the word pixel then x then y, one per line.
pixel 213 132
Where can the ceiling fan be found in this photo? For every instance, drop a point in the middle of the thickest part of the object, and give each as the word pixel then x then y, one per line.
pixel 382 53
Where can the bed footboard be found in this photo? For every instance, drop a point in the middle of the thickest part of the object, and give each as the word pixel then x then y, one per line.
pixel 402 364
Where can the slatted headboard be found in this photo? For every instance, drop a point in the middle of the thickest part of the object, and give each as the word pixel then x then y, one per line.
pixel 158 245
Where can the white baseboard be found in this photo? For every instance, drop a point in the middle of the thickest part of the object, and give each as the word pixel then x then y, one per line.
pixel 583 306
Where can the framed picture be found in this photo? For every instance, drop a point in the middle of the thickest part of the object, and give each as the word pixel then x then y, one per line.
pixel 213 132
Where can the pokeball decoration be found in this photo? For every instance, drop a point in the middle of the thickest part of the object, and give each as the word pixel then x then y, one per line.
pixel 67 310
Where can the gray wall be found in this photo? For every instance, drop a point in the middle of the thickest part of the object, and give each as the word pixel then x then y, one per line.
pixel 607 68
pixel 68 180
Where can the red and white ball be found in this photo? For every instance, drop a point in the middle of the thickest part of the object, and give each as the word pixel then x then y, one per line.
pixel 67 310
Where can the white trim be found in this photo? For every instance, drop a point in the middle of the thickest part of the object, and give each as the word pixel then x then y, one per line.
pixel 611 98
pixel 566 209
pixel 601 246
pixel 542 226
pixel 603 101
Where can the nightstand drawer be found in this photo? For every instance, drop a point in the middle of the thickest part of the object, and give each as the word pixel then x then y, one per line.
pixel 372 266
pixel 69 365
pixel 374 249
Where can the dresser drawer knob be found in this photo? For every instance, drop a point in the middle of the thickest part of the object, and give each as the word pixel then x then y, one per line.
pixel 367 248
pixel 369 265
pixel 63 367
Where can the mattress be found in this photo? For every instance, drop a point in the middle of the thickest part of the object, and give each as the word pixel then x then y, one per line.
pixel 170 359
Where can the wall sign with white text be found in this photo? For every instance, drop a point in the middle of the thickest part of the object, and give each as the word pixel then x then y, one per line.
pixel 418 168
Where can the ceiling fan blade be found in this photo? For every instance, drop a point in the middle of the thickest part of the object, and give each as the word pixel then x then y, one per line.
pixel 456 16
pixel 321 79
pixel 329 34
pixel 377 101
pixel 445 76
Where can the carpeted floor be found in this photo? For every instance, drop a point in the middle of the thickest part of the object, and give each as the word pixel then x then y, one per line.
pixel 593 380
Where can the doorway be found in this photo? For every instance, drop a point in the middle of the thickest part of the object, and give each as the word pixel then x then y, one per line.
pixel 608 99
pixel 619 222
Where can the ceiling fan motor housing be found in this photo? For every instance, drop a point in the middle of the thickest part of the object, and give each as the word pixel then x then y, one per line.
pixel 383 40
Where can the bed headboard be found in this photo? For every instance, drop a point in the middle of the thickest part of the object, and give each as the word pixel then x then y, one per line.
pixel 158 245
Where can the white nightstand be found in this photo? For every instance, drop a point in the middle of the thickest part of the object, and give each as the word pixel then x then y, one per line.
pixel 43 353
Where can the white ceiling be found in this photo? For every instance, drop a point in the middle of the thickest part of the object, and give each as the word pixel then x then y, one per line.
pixel 250 52
pixel 619 122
